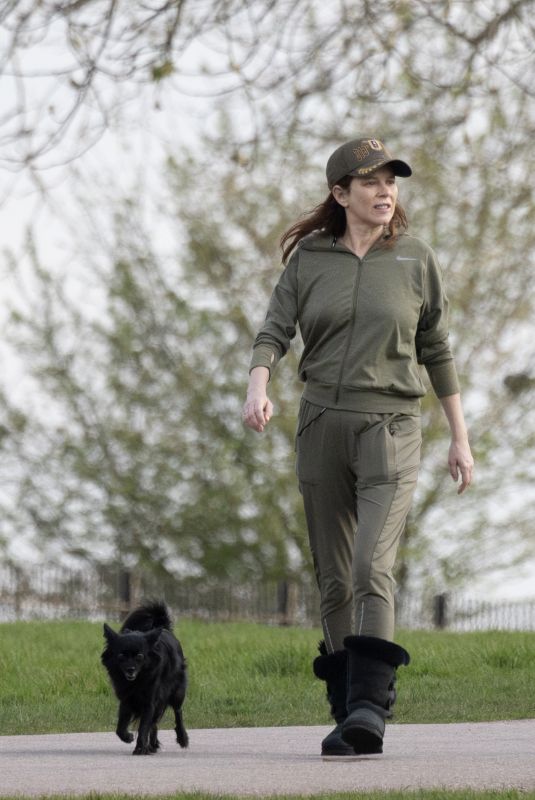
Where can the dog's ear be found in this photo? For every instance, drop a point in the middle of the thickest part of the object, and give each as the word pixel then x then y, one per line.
pixel 109 634
pixel 153 636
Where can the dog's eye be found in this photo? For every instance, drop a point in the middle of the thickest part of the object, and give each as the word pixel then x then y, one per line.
pixel 139 657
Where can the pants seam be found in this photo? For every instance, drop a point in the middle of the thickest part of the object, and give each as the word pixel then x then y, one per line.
pixel 370 568
pixel 361 619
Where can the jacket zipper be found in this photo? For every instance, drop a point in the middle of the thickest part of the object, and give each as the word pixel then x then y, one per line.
pixel 351 327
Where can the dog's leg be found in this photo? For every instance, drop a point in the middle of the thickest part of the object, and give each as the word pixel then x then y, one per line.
pixel 142 747
pixel 123 722
pixel 181 734
pixel 154 741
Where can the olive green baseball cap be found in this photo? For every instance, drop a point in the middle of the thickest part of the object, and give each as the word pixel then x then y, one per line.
pixel 361 156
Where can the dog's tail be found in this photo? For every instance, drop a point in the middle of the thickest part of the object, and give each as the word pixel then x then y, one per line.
pixel 153 614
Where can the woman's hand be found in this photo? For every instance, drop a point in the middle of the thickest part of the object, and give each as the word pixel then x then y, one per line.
pixel 460 461
pixel 258 408
pixel 257 411
pixel 460 457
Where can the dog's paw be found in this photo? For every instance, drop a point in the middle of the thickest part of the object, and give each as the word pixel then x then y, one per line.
pixel 125 736
pixel 182 739
pixel 143 751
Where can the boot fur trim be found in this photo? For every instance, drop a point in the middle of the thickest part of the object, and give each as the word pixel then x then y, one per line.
pixel 380 649
pixel 329 666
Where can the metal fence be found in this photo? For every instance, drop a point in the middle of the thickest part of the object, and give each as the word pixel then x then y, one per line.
pixel 461 613
pixel 47 593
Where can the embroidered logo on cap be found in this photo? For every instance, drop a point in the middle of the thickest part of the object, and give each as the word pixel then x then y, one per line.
pixel 361 151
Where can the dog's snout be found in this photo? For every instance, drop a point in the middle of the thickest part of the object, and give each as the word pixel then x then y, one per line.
pixel 130 673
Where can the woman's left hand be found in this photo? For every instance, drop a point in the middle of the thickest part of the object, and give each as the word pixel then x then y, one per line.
pixel 460 461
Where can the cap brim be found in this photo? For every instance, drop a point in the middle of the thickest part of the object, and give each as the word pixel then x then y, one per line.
pixel 400 168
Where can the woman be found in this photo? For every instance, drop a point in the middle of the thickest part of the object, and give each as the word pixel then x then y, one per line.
pixel 371 307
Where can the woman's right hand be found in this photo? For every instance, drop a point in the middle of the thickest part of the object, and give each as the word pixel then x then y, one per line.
pixel 258 408
pixel 257 411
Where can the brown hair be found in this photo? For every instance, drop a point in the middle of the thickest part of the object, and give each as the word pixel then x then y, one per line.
pixel 329 217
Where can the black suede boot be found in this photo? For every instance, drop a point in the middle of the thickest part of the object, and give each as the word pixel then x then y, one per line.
pixel 332 668
pixel 371 693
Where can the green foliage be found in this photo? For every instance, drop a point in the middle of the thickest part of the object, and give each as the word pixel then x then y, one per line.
pixel 245 674
pixel 161 71
pixel 150 465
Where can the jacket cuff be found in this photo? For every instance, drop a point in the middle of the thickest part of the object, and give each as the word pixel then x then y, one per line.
pixel 443 378
pixel 264 356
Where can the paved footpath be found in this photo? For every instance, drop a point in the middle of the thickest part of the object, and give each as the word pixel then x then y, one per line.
pixel 249 761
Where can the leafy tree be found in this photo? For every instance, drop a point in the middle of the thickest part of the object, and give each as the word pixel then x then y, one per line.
pixel 449 86
pixel 148 462
pixel 140 457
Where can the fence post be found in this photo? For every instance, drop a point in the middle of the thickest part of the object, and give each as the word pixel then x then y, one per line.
pixel 123 591
pixel 287 602
pixel 440 610
pixel 22 591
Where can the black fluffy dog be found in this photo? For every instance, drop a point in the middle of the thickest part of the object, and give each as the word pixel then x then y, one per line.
pixel 147 670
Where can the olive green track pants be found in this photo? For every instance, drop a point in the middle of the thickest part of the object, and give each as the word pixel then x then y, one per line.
pixel 357 474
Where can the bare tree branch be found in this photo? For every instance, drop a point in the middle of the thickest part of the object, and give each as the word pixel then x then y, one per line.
pixel 280 53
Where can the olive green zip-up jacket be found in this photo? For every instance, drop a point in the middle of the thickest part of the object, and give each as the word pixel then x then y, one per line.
pixel 366 324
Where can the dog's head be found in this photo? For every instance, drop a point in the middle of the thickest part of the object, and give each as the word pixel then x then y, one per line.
pixel 129 651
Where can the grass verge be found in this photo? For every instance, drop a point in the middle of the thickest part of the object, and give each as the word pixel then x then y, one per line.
pixel 245 674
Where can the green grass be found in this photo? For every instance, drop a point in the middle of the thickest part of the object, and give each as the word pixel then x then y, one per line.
pixel 244 674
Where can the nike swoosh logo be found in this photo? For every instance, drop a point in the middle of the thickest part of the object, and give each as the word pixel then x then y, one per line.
pixel 405 258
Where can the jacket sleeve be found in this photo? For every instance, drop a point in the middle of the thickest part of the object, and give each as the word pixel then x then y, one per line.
pixel 432 336
pixel 274 338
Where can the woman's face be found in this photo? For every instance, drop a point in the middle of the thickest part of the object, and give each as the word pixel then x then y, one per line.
pixel 371 200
